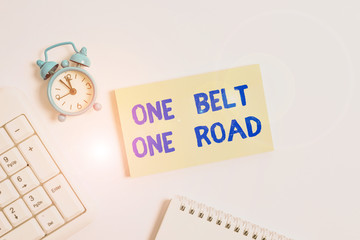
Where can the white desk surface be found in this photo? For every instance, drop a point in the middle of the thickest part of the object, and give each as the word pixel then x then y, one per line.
pixel 309 54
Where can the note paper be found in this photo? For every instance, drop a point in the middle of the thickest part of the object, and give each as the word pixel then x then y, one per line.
pixel 194 120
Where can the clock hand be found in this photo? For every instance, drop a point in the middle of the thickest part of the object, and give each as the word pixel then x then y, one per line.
pixel 63 96
pixel 68 81
pixel 65 84
pixel 72 90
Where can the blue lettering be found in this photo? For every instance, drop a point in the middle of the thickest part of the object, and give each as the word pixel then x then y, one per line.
pixel 241 90
pixel 167 142
pixel 202 106
pixel 152 110
pixel 167 109
pixel 213 133
pixel 135 148
pixel 214 100
pixel 251 133
pixel 235 128
pixel 135 117
pixel 160 143
pixel 203 135
pixel 226 104
pixel 152 143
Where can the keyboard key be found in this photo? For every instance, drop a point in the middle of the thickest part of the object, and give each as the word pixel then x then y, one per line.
pixel 5 141
pixel 37 200
pixel 64 197
pixel 4 224
pixel 2 174
pixel 19 129
pixel 50 219
pixel 12 161
pixel 39 159
pixel 31 229
pixel 17 212
pixel 25 180
pixel 8 193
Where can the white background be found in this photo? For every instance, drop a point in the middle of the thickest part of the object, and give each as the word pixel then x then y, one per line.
pixel 307 188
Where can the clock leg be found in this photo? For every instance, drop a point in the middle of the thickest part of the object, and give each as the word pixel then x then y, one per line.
pixel 62 117
pixel 97 106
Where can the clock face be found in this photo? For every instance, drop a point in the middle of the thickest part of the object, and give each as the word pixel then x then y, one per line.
pixel 72 91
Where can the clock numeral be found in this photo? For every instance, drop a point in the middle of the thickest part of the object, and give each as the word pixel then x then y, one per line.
pixel 79 106
pixel 68 77
pixel 88 85
pixel 57 96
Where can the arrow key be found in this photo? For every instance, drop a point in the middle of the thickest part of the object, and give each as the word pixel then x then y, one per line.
pixel 17 212
pixel 25 180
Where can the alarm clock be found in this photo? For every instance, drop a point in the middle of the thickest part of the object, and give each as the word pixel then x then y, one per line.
pixel 71 90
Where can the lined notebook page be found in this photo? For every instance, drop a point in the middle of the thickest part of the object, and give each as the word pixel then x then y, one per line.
pixel 186 219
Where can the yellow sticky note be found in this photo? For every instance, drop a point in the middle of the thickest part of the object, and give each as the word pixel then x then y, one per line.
pixel 194 120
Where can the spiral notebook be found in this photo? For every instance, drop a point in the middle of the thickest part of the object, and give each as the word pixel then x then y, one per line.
pixel 187 219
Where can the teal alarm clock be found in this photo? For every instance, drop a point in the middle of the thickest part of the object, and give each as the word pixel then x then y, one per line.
pixel 71 90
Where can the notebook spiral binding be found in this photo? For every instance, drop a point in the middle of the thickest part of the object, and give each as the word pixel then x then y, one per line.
pixel 249 230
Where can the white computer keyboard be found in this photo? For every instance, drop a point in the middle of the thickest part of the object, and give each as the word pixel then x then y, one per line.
pixel 36 199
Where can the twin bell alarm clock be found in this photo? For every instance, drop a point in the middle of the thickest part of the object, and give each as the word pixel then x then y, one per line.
pixel 71 90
